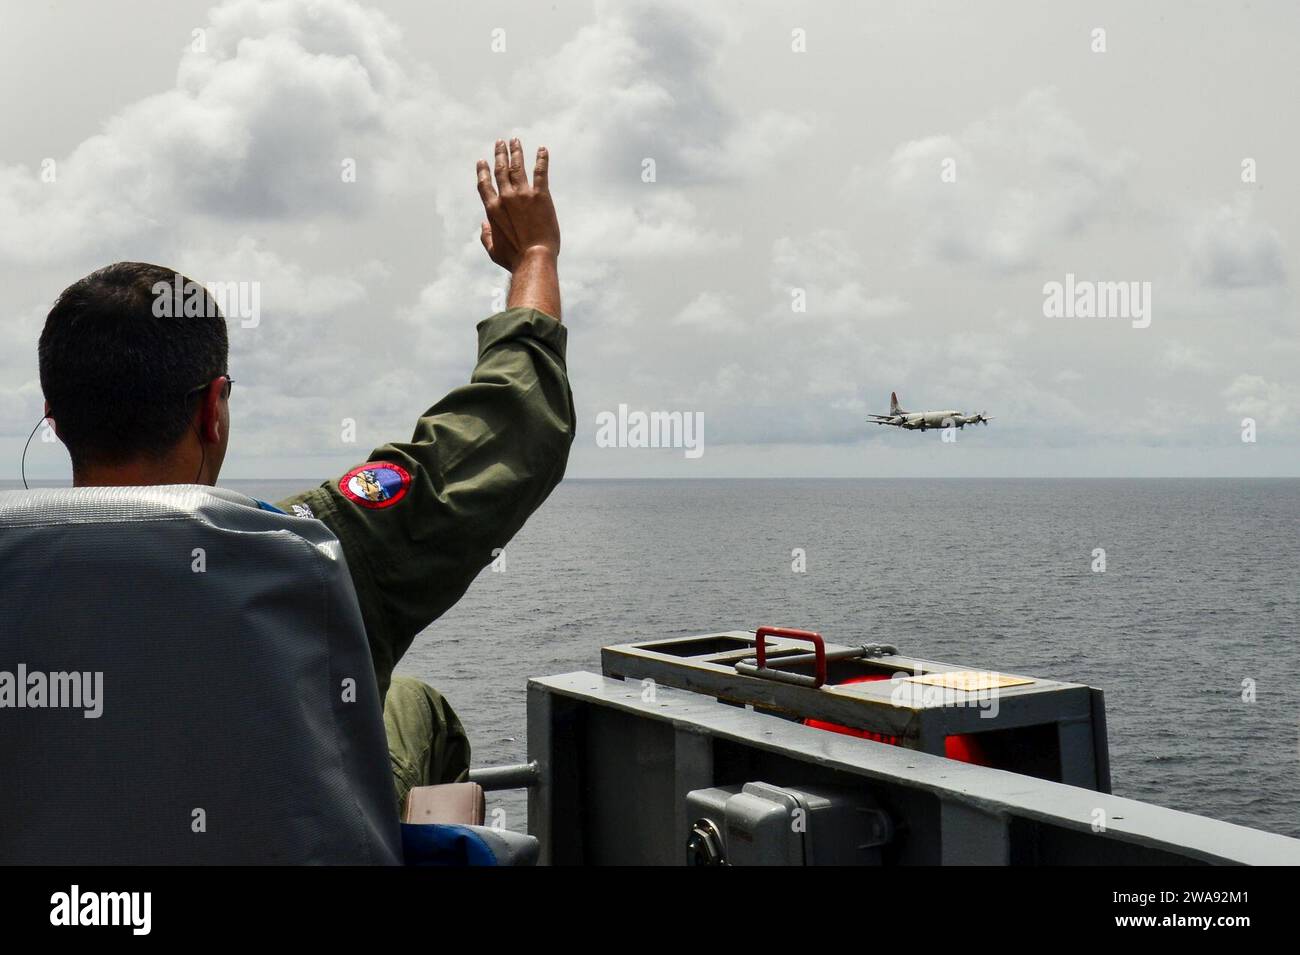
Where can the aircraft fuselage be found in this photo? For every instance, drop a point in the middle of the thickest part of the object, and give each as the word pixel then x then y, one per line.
pixel 920 420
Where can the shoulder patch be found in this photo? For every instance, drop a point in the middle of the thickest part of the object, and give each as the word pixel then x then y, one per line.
pixel 375 484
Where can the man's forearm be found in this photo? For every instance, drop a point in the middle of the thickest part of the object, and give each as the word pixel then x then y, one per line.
pixel 536 282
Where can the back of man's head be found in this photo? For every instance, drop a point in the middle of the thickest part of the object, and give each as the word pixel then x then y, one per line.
pixel 121 355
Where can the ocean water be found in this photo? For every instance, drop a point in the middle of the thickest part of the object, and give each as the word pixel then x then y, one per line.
pixel 1199 599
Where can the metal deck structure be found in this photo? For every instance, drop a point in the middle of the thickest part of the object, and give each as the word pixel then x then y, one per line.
pixel 618 773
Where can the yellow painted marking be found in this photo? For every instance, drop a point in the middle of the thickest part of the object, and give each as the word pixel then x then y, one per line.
pixel 969 680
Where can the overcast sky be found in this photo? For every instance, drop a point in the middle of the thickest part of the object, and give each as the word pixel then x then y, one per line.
pixel 220 153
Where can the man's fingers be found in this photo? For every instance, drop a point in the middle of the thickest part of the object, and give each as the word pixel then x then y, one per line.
pixel 502 164
pixel 485 190
pixel 541 181
pixel 485 236
pixel 518 178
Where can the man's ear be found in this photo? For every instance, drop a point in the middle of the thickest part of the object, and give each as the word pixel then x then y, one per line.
pixel 210 412
pixel 53 424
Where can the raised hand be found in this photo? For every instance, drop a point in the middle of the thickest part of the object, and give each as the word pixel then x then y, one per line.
pixel 521 218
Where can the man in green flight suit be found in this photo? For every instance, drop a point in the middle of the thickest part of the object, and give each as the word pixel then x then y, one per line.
pixel 140 399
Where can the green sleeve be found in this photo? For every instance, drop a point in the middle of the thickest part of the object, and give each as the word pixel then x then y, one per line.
pixel 480 462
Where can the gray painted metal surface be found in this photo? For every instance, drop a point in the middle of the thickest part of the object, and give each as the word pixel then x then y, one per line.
pixel 493 778
pixel 761 824
pixel 617 763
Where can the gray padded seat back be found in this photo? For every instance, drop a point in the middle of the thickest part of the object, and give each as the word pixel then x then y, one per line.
pixel 226 637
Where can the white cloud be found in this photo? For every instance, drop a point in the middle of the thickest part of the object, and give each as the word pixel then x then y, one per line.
pixel 258 126
pixel 1023 176
pixel 1230 249
pixel 1178 356
pixel 641 81
pixel 712 311
pixel 825 266
pixel 1268 402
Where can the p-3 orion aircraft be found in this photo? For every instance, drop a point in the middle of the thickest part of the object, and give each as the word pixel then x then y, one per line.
pixel 922 420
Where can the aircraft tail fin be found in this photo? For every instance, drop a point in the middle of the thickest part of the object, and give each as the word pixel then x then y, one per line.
pixel 893 403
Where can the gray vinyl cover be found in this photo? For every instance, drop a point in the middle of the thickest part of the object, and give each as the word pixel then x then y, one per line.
pixel 223 690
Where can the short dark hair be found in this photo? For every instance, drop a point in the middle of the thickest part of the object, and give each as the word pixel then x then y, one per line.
pixel 120 357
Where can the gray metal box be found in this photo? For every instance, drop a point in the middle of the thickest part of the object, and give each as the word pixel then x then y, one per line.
pixel 761 824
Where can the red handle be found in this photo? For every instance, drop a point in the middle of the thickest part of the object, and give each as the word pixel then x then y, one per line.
pixel 819 646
